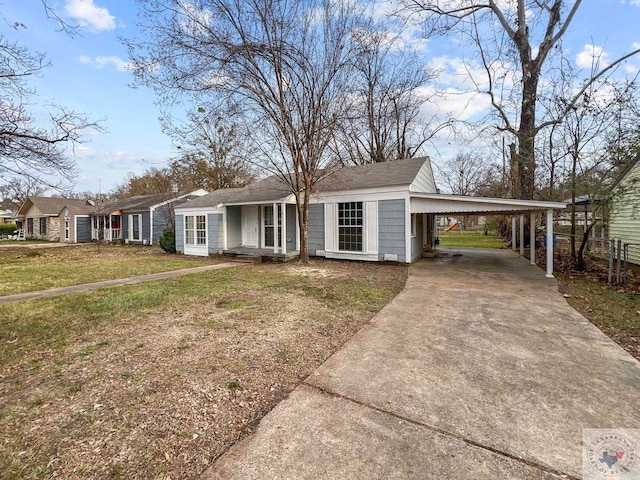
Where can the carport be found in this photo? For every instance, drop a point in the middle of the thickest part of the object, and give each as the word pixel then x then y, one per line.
pixel 432 204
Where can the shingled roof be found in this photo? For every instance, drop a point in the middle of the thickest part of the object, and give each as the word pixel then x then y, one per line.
pixel 137 203
pixel 274 189
pixel 52 206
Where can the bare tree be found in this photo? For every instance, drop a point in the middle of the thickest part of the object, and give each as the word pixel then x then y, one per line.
pixel 285 65
pixel 27 150
pixel 388 120
pixel 16 190
pixel 514 41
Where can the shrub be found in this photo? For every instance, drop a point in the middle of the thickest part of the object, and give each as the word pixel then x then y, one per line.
pixel 7 228
pixel 167 240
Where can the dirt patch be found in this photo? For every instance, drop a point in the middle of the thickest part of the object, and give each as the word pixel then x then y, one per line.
pixel 163 393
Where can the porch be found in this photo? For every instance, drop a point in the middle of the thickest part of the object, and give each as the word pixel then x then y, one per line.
pixel 106 228
pixel 261 253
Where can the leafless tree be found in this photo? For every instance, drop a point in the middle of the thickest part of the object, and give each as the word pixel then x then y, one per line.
pixel 388 121
pixel 26 149
pixel 16 190
pixel 285 65
pixel 514 42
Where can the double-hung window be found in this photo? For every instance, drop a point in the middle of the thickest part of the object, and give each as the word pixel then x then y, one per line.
pixel 43 225
pixel 350 223
pixel 195 230
pixel 269 225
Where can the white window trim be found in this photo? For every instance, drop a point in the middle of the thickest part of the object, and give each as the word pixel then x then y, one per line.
pixel 370 232
pixel 362 227
pixel 131 237
pixel 196 245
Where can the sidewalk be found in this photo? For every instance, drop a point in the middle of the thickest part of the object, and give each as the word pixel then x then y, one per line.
pixel 112 283
pixel 478 369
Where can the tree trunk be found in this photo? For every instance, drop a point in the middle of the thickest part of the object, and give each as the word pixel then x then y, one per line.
pixel 303 221
pixel 526 135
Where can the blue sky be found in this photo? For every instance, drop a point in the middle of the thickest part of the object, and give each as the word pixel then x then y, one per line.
pixel 88 74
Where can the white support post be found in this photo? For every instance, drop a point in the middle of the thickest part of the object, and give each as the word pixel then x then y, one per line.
pixel 513 233
pixel 532 238
pixel 275 228
pixel 521 235
pixel 283 243
pixel 224 228
pixel 150 226
pixel 549 243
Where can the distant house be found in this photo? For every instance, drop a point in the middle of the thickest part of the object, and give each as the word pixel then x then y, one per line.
pixel 40 216
pixel 624 210
pixel 374 212
pixel 75 223
pixel 138 219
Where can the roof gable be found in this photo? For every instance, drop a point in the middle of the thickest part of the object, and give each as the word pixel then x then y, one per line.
pixel 625 173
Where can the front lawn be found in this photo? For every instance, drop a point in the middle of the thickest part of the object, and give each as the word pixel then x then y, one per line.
pixel 28 269
pixel 470 239
pixel 156 380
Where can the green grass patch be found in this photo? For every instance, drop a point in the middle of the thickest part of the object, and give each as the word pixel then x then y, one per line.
pixel 28 270
pixel 470 239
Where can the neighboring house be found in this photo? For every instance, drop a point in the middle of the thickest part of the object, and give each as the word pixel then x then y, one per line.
pixel 40 216
pixel 624 210
pixel 7 216
pixel 75 222
pixel 358 213
pixel 138 219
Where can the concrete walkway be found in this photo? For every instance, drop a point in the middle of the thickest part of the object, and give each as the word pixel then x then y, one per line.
pixel 478 369
pixel 52 292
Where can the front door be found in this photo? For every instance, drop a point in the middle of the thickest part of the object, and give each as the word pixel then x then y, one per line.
pixel 249 215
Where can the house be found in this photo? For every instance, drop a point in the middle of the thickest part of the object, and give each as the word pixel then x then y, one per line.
pixel 358 213
pixel 374 212
pixel 624 210
pixel 140 219
pixel 40 216
pixel 75 222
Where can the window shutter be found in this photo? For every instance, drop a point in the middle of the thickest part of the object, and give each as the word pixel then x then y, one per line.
pixel 371 226
pixel 330 227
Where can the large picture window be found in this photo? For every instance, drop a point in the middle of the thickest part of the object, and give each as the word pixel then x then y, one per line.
pixel 350 221
pixel 195 230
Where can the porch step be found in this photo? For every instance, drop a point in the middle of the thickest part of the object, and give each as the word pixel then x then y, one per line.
pixel 247 259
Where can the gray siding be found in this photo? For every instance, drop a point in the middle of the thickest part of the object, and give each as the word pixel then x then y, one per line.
pixel 84 230
pixel 234 227
pixel 291 227
pixel 146 219
pixel 417 241
pixel 180 233
pixel 391 229
pixel 159 224
pixel 316 228
pixel 215 232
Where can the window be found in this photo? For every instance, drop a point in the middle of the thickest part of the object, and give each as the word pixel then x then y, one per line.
pixel 350 226
pixel 29 226
pixel 66 230
pixel 135 227
pixel 195 230
pixel 269 225
pixel 43 225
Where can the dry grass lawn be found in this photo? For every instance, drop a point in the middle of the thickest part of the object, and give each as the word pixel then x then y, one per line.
pixel 157 380
pixel 28 269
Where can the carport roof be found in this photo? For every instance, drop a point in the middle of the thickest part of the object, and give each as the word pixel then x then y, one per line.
pixel 442 203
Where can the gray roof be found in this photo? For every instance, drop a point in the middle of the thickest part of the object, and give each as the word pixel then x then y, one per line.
pixel 137 203
pixel 51 205
pixel 273 188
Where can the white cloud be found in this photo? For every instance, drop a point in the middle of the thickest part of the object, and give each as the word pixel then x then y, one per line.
pixel 88 14
pixel 592 56
pixel 101 62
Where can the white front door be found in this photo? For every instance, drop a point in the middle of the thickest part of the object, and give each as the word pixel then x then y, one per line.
pixel 249 215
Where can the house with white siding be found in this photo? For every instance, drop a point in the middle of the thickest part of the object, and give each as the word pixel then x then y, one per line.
pixel 373 212
pixel 624 210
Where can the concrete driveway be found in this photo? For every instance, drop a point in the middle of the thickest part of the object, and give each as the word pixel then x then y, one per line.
pixel 478 369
